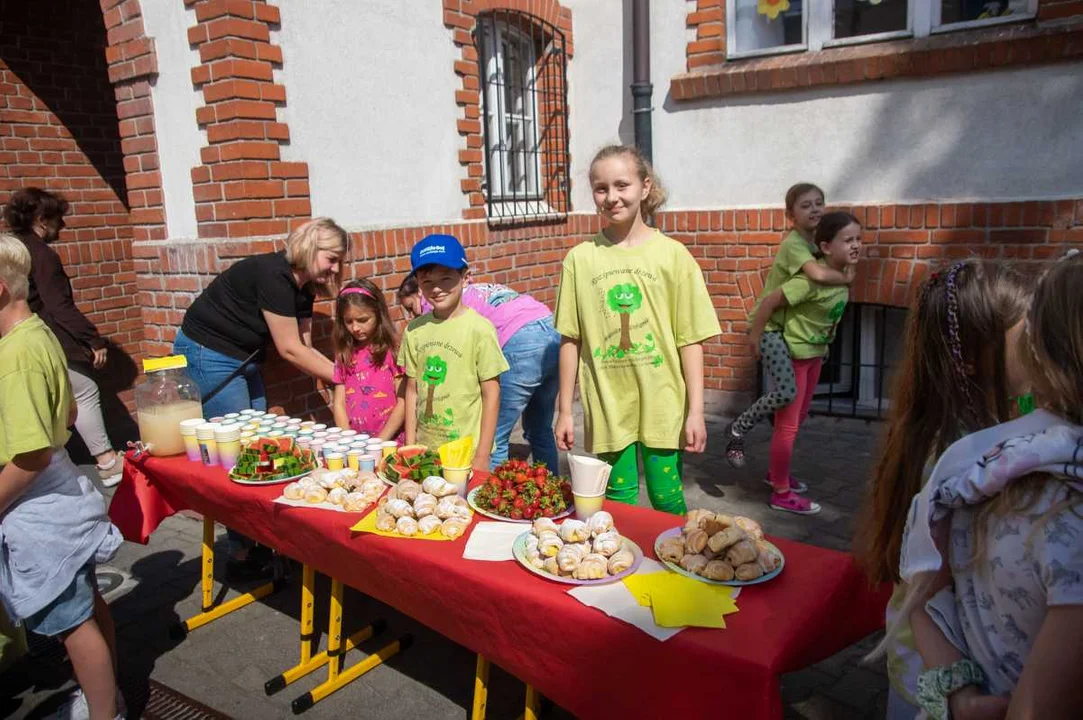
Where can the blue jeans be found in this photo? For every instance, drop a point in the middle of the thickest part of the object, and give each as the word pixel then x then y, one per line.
pixel 209 367
pixel 529 389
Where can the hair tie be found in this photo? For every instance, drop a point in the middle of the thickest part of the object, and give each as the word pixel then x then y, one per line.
pixel 355 290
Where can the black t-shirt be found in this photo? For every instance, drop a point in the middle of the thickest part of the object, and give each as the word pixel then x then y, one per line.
pixel 227 317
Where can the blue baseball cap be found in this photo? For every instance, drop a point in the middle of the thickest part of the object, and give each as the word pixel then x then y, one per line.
pixel 438 250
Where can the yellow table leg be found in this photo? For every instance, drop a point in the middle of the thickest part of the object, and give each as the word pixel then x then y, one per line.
pixel 334 632
pixel 310 662
pixel 533 701
pixel 350 674
pixel 210 611
pixel 481 689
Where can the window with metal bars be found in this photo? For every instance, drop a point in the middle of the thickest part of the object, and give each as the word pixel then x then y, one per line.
pixel 524 104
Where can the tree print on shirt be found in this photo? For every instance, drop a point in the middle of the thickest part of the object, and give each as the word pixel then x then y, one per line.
pixel 624 299
pixel 834 315
pixel 435 374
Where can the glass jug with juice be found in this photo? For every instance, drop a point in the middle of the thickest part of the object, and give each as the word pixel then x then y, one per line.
pixel 165 398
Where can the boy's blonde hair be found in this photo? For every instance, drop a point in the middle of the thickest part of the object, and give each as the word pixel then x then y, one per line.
pixel 14 266
pixel 317 234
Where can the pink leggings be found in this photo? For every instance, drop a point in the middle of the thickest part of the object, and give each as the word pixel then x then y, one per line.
pixel 789 419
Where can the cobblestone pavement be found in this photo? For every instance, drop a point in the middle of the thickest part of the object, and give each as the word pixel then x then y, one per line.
pixel 226 665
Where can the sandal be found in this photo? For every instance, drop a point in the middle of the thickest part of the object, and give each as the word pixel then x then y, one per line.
pixel 795 485
pixel 735 448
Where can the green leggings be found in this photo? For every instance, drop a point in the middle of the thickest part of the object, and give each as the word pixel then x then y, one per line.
pixel 662 469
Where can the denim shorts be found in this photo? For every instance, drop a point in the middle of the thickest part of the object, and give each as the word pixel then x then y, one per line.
pixel 70 609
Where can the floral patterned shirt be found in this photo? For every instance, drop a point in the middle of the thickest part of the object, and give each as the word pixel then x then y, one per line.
pixel 370 390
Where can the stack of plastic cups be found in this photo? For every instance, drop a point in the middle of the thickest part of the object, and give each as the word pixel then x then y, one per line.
pixel 353 456
pixel 191 443
pixel 333 457
pixel 208 448
pixel 374 448
pixel 228 439
pixel 388 447
pixel 316 446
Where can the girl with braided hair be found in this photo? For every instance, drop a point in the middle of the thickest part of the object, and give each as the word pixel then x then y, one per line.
pixel 959 374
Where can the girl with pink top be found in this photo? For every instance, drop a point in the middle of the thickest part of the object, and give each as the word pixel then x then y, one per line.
pixel 531 345
pixel 367 379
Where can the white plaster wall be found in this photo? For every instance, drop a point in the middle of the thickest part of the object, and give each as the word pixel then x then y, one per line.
pixel 1009 134
pixel 370 102
pixel 175 102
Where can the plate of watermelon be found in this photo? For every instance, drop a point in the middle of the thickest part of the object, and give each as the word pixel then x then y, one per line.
pixel 519 492
pixel 270 461
pixel 412 462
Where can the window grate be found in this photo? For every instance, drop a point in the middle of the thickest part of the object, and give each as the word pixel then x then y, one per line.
pixel 524 106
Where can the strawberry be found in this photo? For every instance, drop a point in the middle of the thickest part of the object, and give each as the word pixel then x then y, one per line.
pixel 519 503
pixel 516 514
pixel 529 513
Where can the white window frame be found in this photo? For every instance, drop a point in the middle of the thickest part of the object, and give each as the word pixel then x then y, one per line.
pixel 499 118
pixel 923 19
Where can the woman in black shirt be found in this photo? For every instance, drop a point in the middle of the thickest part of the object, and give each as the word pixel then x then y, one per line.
pixel 261 299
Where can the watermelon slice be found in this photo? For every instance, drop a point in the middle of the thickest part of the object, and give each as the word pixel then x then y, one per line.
pixel 285 445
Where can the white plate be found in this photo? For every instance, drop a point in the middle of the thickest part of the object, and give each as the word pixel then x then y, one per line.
pixel 675 532
pixel 474 506
pixel 519 550
pixel 283 481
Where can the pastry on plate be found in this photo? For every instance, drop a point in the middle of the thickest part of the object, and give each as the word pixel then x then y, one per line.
pixel 428 524
pixel 717 570
pixel 599 523
pixel 671 549
pixel 591 567
pixel 406 526
pixel 574 531
pixel 620 561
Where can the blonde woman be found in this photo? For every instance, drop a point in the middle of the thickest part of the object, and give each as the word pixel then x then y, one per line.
pixel 262 299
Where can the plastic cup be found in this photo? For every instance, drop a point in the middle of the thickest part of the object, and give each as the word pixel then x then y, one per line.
pixel 208 448
pixel 366 463
pixel 296 422
pixel 353 458
pixel 362 437
pixel 304 443
pixel 308 424
pixel 231 417
pixel 334 460
pixel 587 505
pixel 228 439
pixel 347 433
pixel 216 419
pixel 320 434
pixel 458 477
pixel 319 426
pixel 388 447
pixel 191 442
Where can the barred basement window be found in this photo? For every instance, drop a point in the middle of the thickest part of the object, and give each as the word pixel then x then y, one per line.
pixel 524 103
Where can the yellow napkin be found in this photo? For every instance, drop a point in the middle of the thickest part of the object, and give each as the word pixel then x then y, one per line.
pixel 457 453
pixel 678 601
pixel 367 524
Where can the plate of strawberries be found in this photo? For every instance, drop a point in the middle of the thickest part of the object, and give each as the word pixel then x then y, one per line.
pixel 517 491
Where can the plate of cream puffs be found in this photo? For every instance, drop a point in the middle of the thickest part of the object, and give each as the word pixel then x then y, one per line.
pixel 720 549
pixel 345 490
pixel 576 552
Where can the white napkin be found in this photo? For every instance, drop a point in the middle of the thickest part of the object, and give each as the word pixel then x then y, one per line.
pixel 493 541
pixel 616 601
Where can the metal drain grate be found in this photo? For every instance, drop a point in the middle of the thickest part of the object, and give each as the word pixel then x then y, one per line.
pixel 165 703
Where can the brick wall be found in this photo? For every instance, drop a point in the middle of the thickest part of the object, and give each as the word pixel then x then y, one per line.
pixel 59 131
pixel 242 189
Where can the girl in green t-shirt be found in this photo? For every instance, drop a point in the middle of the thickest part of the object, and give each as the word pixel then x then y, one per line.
pixel 792 328
pixel 958 374
pixel 633 312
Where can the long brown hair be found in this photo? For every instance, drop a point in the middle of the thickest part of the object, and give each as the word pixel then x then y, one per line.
pixel 1053 356
pixel 952 381
pixel 656 196
pixel 384 338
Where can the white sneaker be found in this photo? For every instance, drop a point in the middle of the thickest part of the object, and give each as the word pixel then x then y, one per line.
pixel 112 473
pixel 77 708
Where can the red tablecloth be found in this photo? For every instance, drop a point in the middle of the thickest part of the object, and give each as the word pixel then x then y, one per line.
pixel 583 660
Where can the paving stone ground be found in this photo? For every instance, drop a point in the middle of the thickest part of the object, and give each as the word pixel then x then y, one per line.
pixel 225 665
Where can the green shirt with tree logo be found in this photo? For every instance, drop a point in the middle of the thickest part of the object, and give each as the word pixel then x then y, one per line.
pixel 631 310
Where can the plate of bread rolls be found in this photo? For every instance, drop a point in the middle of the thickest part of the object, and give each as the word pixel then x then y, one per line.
pixel 576 552
pixel 720 549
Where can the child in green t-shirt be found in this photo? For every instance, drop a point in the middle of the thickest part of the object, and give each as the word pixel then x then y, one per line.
pixel 796 254
pixel 53 524
pixel 633 311
pixel 451 357
pixel 791 329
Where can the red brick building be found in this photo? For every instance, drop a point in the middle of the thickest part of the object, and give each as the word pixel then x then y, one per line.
pixel 189 133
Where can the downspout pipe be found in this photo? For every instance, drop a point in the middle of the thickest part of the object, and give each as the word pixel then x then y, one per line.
pixel 642 89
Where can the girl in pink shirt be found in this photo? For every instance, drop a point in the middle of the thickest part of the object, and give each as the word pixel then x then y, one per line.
pixel 367 380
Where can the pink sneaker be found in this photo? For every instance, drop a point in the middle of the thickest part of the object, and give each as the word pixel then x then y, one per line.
pixel 794 503
pixel 795 485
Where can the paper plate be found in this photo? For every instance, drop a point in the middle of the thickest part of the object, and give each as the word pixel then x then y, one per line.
pixel 519 550
pixel 283 481
pixel 675 532
pixel 474 506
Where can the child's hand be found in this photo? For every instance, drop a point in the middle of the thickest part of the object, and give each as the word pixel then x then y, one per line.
pixel 565 431
pixel 969 704
pixel 695 433
pixel 754 343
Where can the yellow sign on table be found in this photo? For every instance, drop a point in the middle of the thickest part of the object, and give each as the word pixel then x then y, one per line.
pixel 367 524
pixel 678 601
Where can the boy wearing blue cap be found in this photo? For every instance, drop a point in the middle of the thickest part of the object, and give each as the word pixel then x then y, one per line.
pixel 451 357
